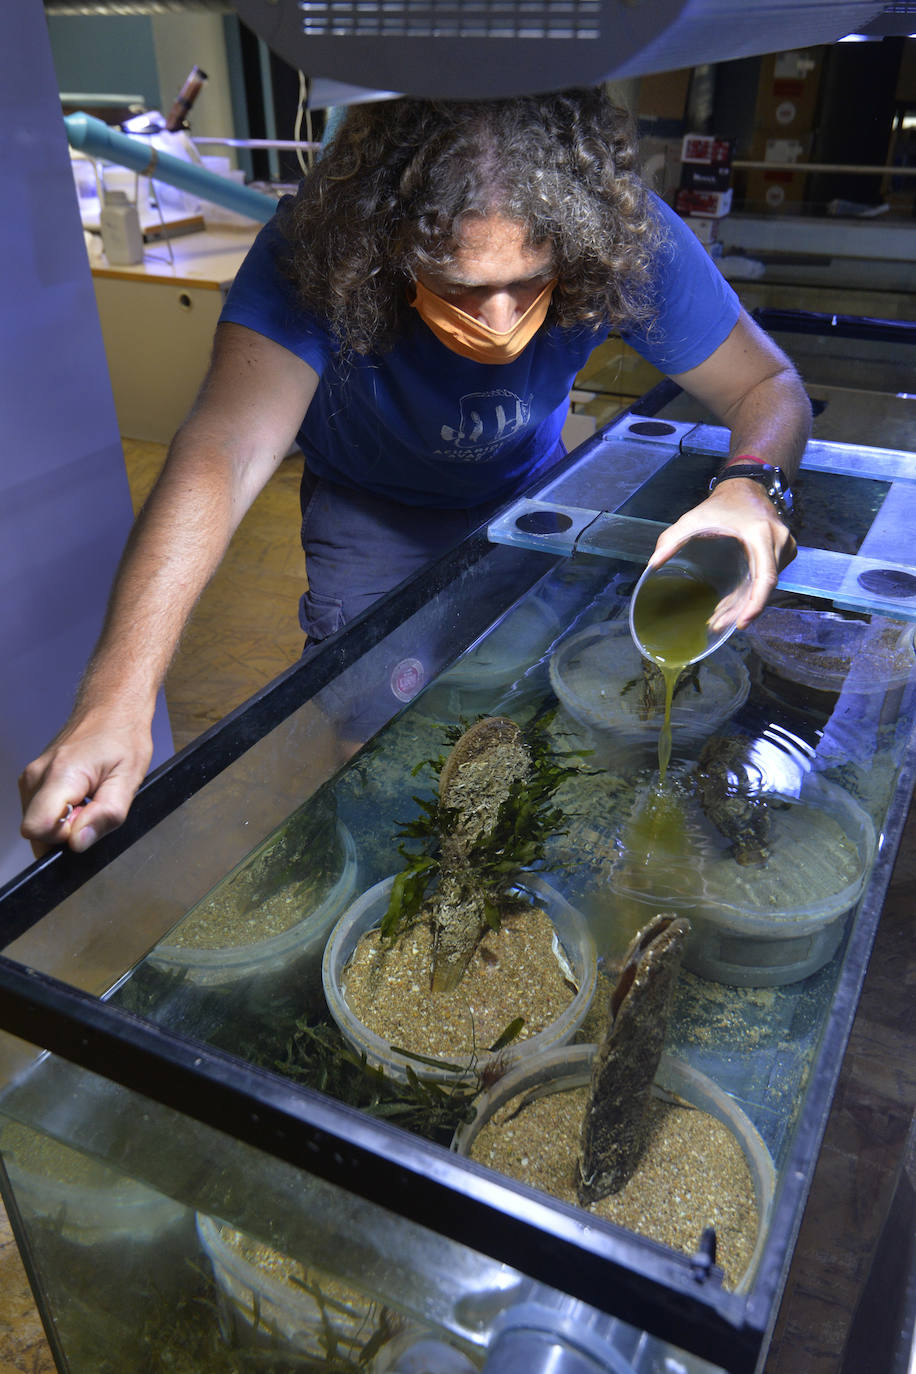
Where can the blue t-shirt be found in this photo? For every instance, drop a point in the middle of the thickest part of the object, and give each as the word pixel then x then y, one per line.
pixel 426 427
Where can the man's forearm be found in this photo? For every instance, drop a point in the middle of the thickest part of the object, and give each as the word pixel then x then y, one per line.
pixel 243 422
pixel 173 551
pixel 772 422
pixel 751 386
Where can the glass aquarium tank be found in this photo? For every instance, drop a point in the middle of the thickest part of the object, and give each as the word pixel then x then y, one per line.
pixel 217 1153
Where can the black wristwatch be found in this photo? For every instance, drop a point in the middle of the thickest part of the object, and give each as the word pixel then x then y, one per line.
pixel 772 479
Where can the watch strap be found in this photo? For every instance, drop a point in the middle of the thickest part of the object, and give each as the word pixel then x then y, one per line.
pixel 772 479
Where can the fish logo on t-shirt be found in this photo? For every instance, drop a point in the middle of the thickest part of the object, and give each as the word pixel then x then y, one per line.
pixel 485 419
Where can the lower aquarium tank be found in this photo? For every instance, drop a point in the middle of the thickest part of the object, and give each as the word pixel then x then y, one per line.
pixel 417 1021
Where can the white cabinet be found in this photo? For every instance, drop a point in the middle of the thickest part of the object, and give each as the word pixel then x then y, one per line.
pixel 158 320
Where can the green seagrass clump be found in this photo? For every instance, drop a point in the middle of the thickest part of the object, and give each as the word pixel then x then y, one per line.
pixel 490 822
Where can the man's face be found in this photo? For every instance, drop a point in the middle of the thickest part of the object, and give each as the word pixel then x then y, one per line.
pixel 494 277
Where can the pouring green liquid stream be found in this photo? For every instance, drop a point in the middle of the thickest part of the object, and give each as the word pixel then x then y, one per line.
pixel 670 617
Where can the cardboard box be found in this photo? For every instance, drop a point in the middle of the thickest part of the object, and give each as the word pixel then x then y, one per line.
pixel 787 92
pixel 776 189
pixel 706 176
pixel 786 149
pixel 705 163
pixel 706 151
pixel 795 65
pixel 707 204
pixel 774 148
pixel 771 191
pixel 663 95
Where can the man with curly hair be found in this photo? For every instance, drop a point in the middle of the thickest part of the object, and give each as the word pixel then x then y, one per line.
pixel 414 318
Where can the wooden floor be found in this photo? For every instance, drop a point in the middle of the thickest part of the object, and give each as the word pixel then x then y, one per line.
pixel 242 634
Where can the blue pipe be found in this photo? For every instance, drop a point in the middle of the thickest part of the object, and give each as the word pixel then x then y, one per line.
pixel 91 135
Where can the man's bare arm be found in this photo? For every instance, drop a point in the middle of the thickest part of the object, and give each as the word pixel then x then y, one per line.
pixel 242 424
pixel 752 387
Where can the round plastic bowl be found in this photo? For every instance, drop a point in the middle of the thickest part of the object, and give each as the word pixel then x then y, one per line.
pixel 566 1067
pixel 100 1208
pixel 217 967
pixel 478 679
pixel 575 949
pixel 822 650
pixel 312 1321
pixel 790 922
pixel 597 676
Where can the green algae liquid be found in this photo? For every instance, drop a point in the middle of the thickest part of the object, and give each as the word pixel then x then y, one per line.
pixel 657 866
pixel 670 619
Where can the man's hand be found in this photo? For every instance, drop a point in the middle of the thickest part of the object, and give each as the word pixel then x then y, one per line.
pixel 83 784
pixel 743 509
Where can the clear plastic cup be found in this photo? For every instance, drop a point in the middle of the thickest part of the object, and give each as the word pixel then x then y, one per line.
pixel 707 578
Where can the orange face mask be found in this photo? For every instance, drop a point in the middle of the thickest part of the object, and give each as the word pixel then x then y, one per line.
pixel 472 339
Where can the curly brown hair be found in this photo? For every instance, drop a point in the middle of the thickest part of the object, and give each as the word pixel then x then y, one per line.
pixel 386 201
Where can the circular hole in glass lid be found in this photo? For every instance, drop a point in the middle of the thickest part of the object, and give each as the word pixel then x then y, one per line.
pixel 543 522
pixel 651 427
pixel 888 582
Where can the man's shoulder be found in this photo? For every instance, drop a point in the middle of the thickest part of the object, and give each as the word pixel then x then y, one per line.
pixel 263 297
